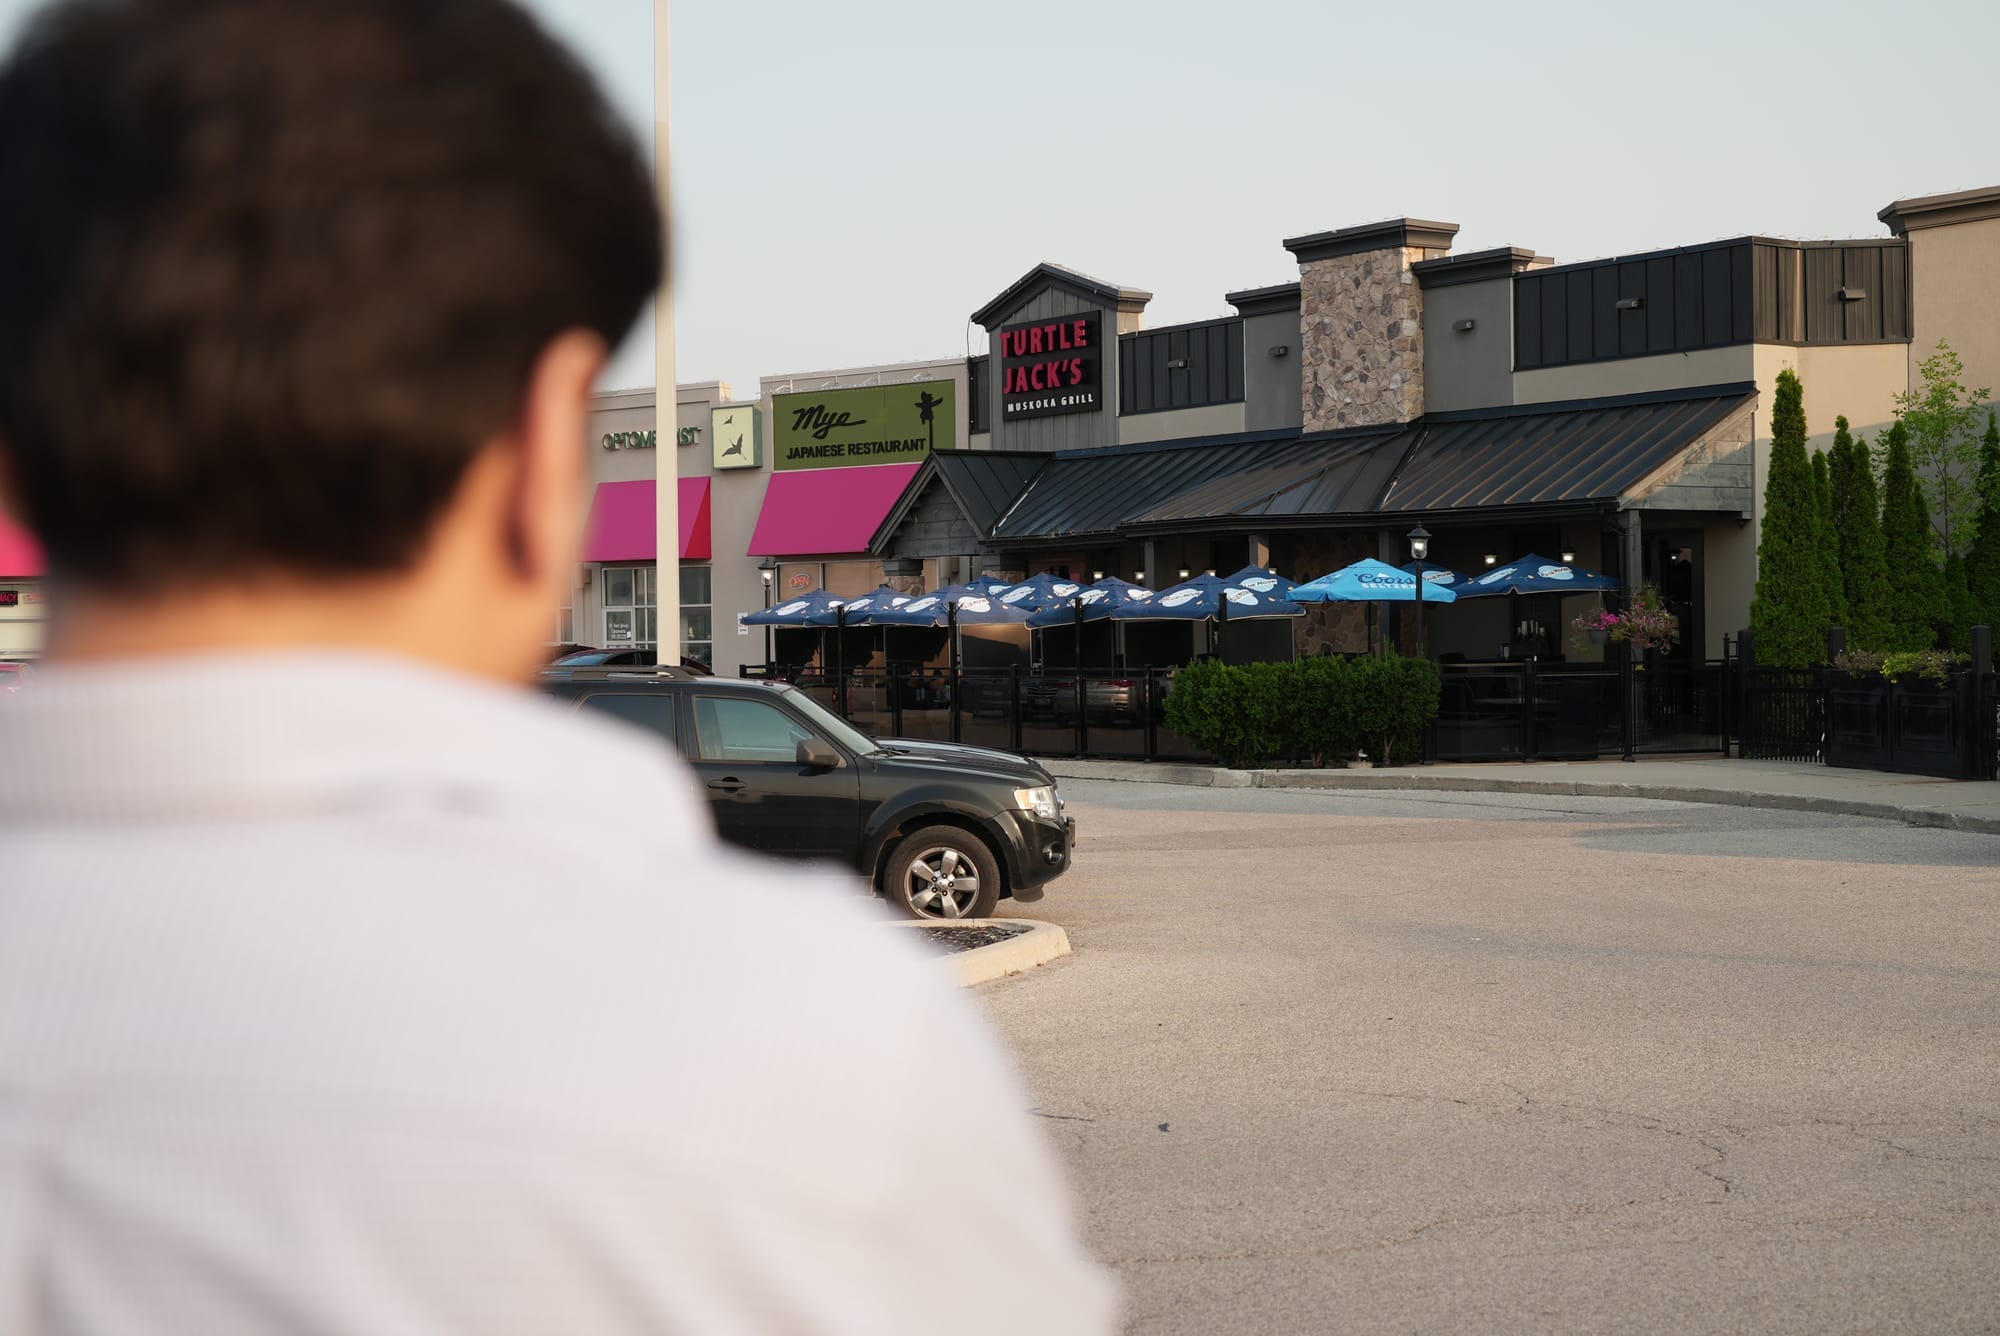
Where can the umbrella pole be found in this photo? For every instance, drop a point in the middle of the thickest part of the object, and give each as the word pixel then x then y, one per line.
pixel 840 661
pixel 952 657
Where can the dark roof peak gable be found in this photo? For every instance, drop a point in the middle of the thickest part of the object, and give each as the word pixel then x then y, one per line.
pixel 1044 276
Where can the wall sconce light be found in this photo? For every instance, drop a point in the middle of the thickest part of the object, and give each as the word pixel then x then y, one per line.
pixel 1280 349
pixel 1138 577
pixel 1631 303
pixel 1568 557
pixel 1184 572
pixel 1177 364
pixel 1209 571
pixel 1463 326
pixel 1852 294
pixel 1097 575
pixel 1492 559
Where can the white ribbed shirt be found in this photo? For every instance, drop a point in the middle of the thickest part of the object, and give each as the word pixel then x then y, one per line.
pixel 342 995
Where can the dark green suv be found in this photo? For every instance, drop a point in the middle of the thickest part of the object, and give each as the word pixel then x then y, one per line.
pixel 943 831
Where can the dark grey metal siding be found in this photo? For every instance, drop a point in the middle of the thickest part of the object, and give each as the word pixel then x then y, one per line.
pixel 978 374
pixel 1876 277
pixel 1063 431
pixel 1182 366
pixel 1690 299
pixel 1716 296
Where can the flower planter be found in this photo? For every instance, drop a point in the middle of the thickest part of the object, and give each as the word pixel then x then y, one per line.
pixel 1599 637
pixel 1915 726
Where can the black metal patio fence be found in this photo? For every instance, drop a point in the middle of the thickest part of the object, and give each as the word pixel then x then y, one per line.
pixel 1489 712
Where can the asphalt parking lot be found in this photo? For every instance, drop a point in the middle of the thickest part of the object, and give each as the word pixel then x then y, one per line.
pixel 1477 1062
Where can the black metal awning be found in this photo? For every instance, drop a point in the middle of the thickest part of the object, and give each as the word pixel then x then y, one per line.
pixel 1502 463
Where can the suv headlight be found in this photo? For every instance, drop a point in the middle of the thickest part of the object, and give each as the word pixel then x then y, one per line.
pixel 1041 801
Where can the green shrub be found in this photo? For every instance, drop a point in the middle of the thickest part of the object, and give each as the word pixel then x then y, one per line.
pixel 1394 700
pixel 1325 722
pixel 1320 709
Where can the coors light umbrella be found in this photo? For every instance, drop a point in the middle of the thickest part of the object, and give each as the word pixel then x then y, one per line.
pixel 1370 581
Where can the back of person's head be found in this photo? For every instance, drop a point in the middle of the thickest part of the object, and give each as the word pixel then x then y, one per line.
pixel 278 270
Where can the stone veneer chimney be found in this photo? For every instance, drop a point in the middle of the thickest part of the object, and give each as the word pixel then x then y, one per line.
pixel 1361 321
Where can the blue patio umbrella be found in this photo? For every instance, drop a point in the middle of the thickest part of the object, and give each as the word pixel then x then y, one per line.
pixel 1038 592
pixel 931 609
pixel 1261 581
pixel 858 610
pixel 1091 604
pixel 814 609
pixel 1369 581
pixel 1204 597
pixel 1435 574
pixel 1531 574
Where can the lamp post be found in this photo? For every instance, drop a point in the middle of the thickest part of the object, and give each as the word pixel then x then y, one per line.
pixel 768 569
pixel 1420 547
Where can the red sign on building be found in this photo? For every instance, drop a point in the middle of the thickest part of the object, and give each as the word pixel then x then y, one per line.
pixel 1051 366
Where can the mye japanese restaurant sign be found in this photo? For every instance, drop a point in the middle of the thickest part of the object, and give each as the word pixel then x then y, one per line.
pixel 873 424
pixel 1050 367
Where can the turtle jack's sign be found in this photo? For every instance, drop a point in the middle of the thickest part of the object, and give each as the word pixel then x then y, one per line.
pixel 873 424
pixel 1050 367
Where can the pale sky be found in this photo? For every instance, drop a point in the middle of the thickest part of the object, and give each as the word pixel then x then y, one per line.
pixel 852 180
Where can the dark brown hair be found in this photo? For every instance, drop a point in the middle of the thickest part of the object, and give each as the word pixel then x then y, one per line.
pixel 271 272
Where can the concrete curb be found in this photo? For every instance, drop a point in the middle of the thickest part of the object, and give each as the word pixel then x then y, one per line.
pixel 1418 781
pixel 1039 945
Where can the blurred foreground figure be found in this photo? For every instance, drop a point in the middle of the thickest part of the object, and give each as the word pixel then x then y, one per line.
pixel 345 987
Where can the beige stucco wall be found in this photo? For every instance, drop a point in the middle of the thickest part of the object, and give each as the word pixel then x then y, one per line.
pixel 1729 579
pixel 1178 423
pixel 1955 295
pixel 1470 368
pixel 1634 375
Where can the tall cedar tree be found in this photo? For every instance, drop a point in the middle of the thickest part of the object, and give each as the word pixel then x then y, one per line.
pixel 1982 564
pixel 1909 545
pixel 1793 606
pixel 1857 523
pixel 1827 540
pixel 1958 603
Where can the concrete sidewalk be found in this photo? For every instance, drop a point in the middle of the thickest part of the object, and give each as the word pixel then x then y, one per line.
pixel 1792 786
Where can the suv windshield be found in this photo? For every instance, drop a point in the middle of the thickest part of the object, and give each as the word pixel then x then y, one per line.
pixel 827 721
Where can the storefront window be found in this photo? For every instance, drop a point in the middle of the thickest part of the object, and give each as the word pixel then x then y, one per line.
pixel 697 617
pixel 630 619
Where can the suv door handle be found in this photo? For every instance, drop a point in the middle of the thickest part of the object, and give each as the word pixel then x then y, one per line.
pixel 729 785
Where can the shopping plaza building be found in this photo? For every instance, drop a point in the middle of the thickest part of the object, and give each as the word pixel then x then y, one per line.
pixel 1614 412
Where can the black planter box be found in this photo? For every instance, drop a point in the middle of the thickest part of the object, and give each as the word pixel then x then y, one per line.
pixel 1912 727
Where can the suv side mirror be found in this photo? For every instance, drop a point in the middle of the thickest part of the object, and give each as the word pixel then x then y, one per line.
pixel 816 755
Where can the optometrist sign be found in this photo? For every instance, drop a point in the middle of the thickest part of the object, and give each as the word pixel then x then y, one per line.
pixel 872 424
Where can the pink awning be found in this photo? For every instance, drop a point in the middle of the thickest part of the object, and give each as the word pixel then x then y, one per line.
pixel 817 512
pixel 20 554
pixel 623 516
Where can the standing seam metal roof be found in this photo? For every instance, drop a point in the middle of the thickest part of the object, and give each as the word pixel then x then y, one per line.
pixel 1094 492
pixel 1573 454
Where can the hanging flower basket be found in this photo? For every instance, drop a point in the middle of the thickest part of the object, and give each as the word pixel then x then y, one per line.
pixel 1645 624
